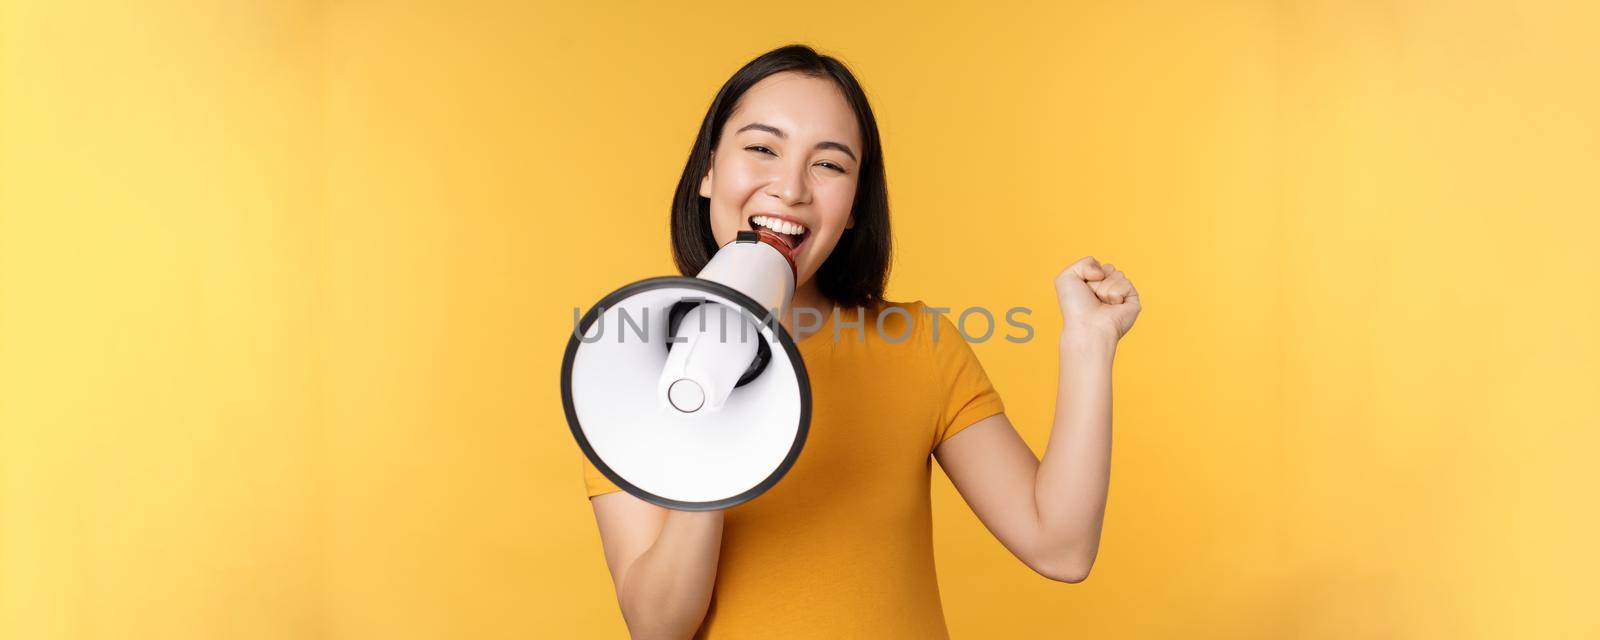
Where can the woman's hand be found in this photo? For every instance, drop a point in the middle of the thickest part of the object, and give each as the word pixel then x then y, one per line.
pixel 1098 302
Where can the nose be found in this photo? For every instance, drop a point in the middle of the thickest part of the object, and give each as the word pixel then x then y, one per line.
pixel 788 184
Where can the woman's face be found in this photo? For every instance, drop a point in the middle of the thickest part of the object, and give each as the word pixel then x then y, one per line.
pixel 791 151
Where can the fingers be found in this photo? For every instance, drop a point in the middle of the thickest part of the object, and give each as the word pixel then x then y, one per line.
pixel 1115 288
pixel 1102 280
pixel 1086 269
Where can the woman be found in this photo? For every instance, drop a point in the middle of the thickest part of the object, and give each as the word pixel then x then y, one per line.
pixel 842 546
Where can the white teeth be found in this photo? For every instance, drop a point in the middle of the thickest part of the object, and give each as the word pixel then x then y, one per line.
pixel 780 226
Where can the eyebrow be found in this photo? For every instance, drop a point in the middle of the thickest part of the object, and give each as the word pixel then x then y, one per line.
pixel 825 144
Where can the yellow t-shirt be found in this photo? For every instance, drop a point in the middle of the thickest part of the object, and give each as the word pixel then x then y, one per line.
pixel 842 546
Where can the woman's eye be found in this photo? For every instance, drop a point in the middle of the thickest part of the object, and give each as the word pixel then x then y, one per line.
pixel 830 165
pixel 760 149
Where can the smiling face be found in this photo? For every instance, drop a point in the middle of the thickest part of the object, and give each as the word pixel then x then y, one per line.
pixel 788 160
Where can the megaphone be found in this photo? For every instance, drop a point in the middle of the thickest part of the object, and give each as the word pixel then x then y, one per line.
pixel 686 391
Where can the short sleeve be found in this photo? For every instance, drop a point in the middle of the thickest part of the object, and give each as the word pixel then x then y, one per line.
pixel 596 482
pixel 967 394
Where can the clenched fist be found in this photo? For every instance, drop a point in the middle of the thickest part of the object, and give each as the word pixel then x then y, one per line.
pixel 1098 302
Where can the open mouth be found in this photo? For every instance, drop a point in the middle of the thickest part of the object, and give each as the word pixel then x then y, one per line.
pixel 790 233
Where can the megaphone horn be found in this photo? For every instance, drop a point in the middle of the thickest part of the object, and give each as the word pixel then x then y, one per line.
pixel 707 404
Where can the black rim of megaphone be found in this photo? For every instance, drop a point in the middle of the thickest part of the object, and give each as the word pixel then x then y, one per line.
pixel 734 296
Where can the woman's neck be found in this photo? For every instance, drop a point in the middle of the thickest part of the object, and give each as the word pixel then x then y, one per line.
pixel 807 299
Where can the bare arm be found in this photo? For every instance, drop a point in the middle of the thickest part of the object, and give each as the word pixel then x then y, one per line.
pixel 1050 514
pixel 663 563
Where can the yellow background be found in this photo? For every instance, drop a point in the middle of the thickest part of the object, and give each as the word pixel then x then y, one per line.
pixel 284 287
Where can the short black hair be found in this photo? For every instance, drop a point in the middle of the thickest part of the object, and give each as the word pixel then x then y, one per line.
pixel 857 270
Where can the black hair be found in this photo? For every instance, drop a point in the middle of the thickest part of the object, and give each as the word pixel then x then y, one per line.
pixel 857 270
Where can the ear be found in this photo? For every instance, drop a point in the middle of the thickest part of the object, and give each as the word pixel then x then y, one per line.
pixel 705 181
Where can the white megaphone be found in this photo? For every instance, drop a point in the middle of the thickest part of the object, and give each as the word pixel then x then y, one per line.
pixel 687 392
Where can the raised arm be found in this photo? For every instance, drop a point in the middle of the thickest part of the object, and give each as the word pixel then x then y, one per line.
pixel 663 563
pixel 1049 514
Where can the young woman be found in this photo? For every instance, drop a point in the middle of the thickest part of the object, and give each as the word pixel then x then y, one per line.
pixel 842 547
